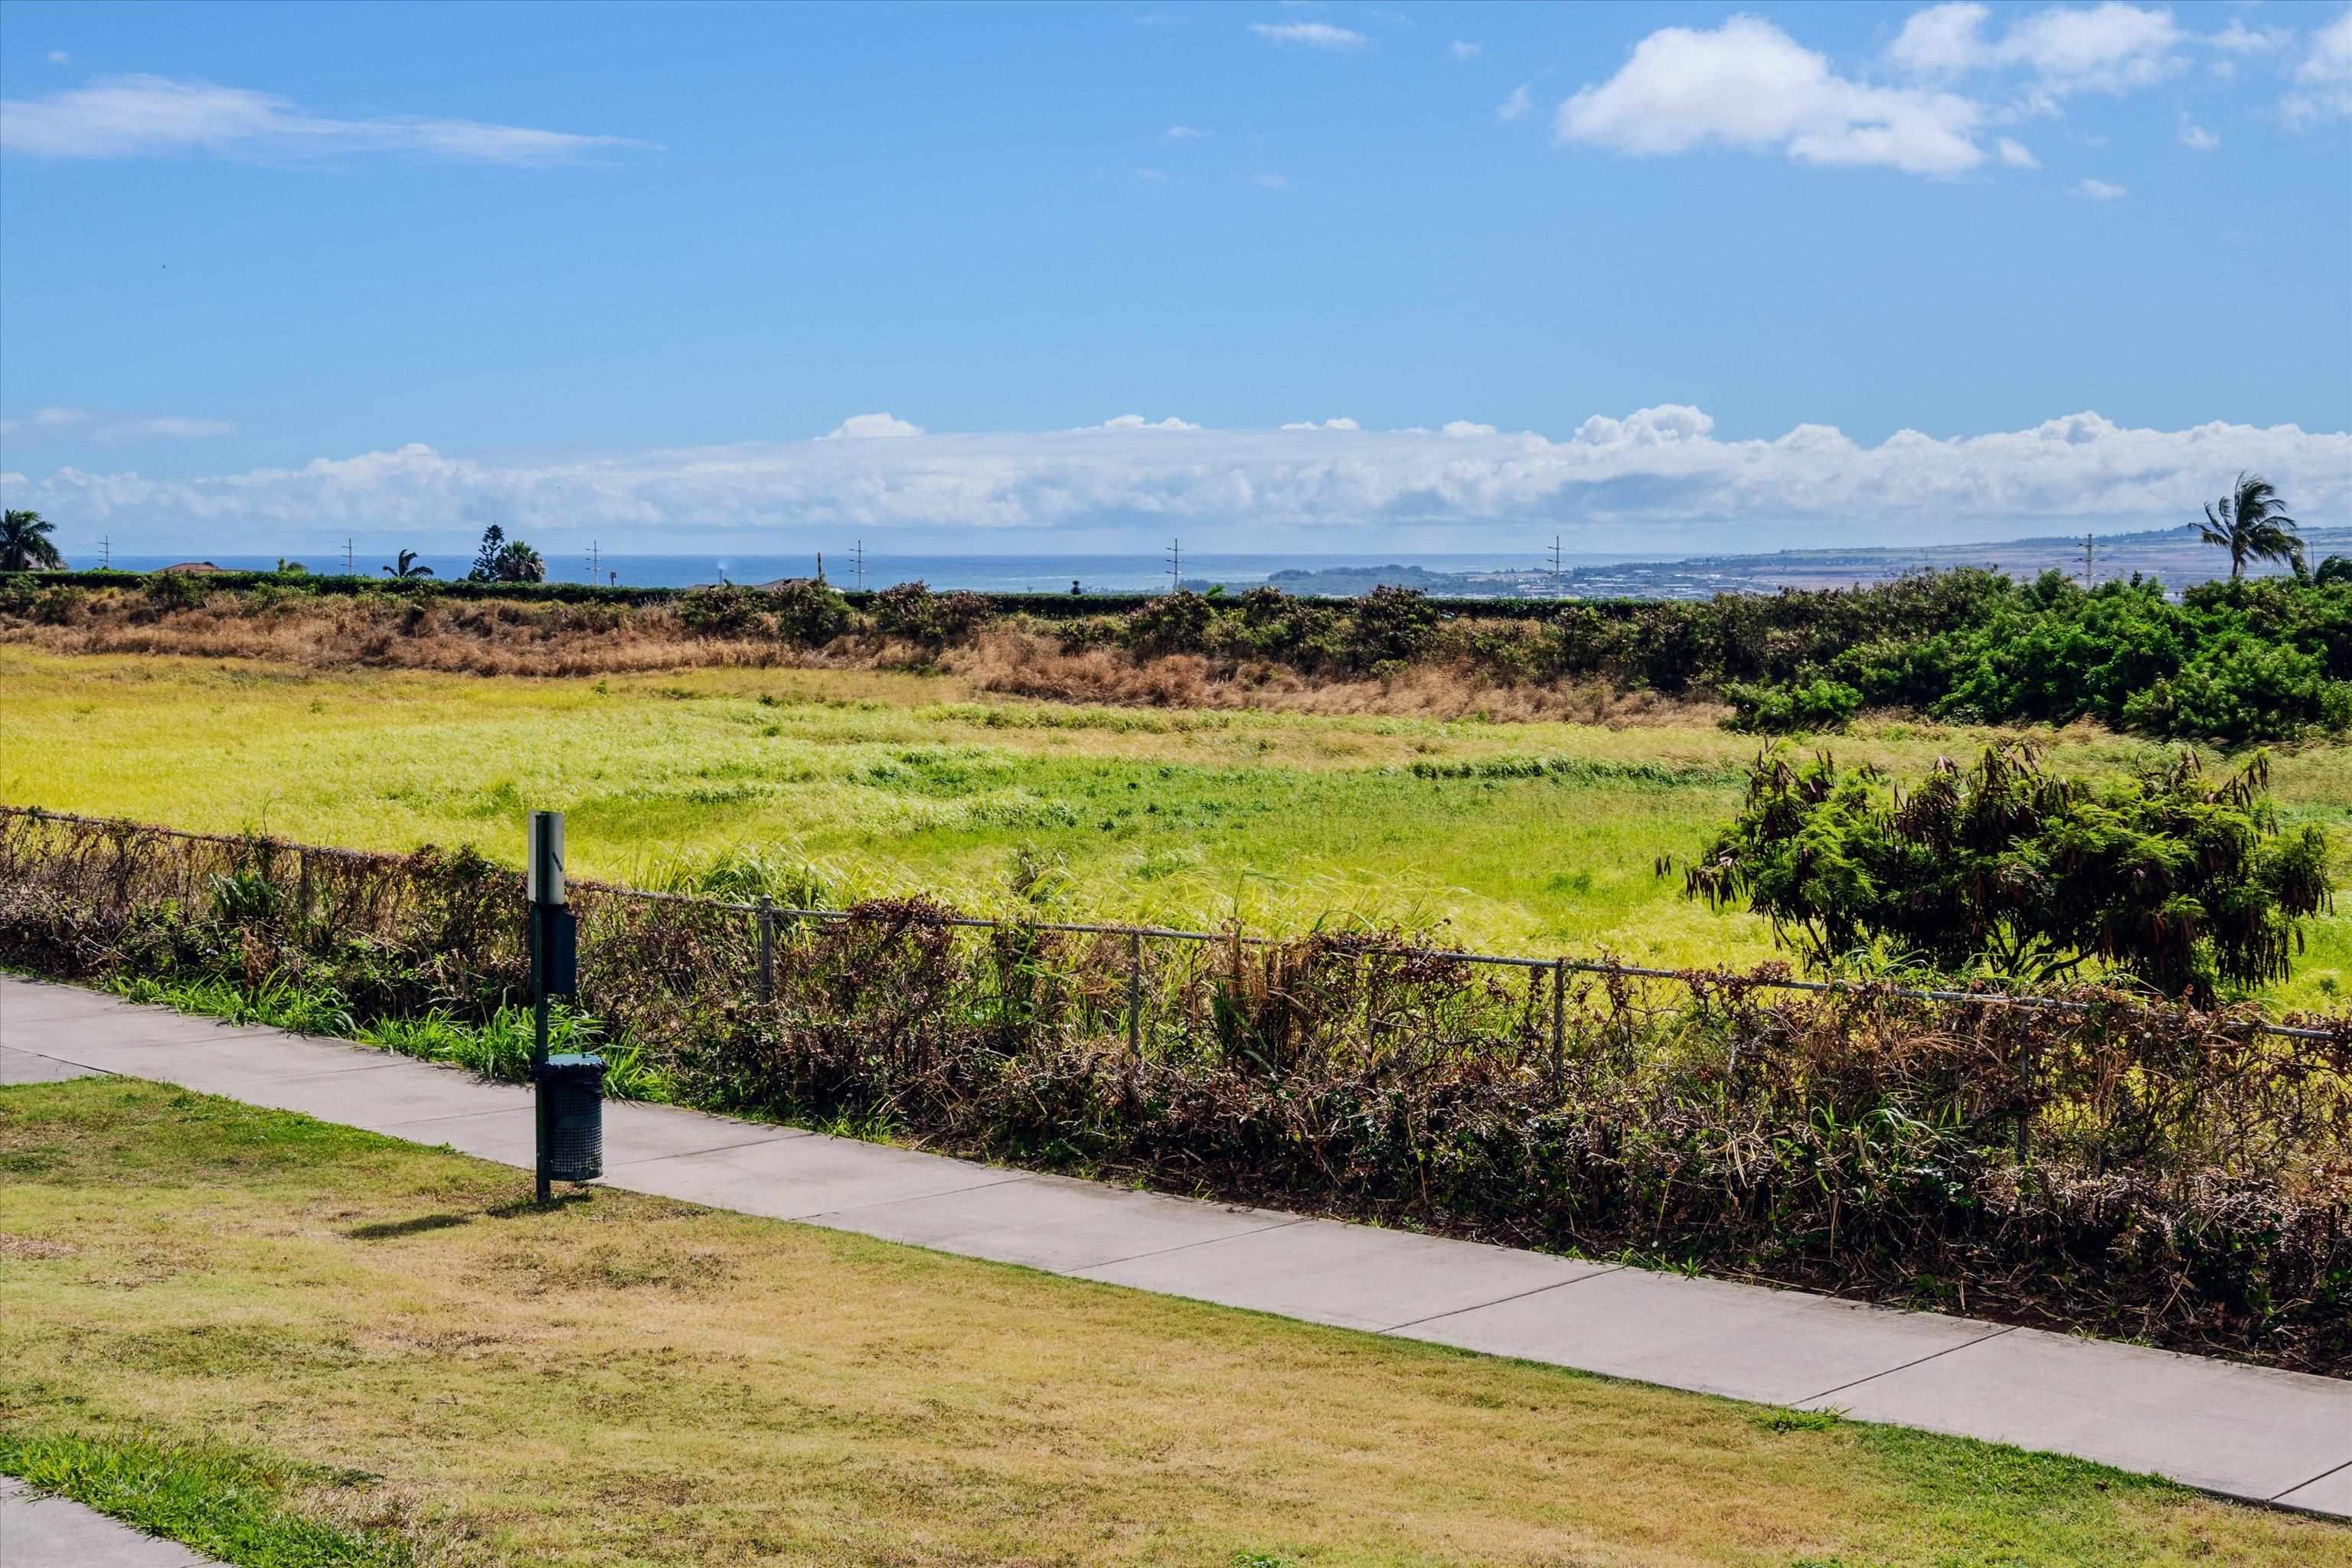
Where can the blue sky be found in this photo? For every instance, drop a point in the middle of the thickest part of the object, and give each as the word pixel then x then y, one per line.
pixel 278 273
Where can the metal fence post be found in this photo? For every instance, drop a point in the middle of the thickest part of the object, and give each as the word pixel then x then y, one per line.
pixel 1559 1020
pixel 767 950
pixel 1135 994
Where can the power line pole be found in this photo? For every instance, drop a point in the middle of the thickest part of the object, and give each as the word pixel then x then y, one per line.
pixel 1175 566
pixel 861 566
pixel 820 565
pixel 1555 563
pixel 2088 577
pixel 595 563
pixel 349 569
pixel 106 553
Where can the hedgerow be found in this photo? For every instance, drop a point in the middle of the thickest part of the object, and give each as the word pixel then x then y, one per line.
pixel 2121 1167
pixel 2232 662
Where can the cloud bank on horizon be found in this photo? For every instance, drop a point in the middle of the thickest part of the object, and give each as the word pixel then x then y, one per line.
pixel 1614 479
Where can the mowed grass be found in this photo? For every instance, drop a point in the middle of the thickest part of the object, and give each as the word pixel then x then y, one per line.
pixel 366 1350
pixel 884 782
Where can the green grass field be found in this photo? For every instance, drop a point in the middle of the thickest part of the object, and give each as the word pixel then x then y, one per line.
pixel 296 1344
pixel 882 782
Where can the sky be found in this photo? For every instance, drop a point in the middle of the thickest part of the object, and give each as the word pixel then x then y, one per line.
pixel 1313 278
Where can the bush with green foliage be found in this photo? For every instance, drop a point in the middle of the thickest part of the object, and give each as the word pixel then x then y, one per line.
pixel 723 610
pixel 809 614
pixel 912 611
pixel 2025 873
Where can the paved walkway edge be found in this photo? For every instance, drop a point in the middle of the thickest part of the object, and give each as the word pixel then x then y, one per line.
pixel 38 1531
pixel 2251 1434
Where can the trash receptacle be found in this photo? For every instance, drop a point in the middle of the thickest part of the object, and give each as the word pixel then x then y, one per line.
pixel 572 1090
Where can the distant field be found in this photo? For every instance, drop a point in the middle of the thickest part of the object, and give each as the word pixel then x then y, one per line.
pixel 884 782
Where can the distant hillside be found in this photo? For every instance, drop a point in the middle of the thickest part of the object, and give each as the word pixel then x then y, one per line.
pixel 2176 556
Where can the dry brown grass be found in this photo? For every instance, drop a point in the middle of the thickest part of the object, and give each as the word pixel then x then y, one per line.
pixel 494 638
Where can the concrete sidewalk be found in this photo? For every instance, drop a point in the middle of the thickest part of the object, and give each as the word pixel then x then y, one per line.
pixel 37 1532
pixel 2245 1432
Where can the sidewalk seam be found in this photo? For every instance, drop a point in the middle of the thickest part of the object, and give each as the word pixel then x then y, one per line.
pixel 1921 1361
pixel 1514 1296
pixel 1185 1247
pixel 2313 1481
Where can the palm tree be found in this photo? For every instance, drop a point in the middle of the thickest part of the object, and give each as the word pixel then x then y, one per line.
pixel 408 566
pixel 518 563
pixel 2252 525
pixel 25 545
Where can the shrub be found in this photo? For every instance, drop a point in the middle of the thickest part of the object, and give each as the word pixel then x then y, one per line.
pixel 169 591
pixel 2186 887
pixel 1175 623
pixel 912 611
pixel 808 612
pixel 1816 704
pixel 724 609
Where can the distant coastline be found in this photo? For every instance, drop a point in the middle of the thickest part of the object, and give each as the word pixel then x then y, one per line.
pixel 2176 556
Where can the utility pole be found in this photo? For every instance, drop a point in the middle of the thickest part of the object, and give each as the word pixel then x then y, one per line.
pixel 595 563
pixel 1555 563
pixel 861 566
pixel 820 565
pixel 2088 578
pixel 349 569
pixel 106 553
pixel 1175 566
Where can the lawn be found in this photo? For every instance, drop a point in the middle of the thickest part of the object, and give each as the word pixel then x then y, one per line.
pixel 294 1343
pixel 879 783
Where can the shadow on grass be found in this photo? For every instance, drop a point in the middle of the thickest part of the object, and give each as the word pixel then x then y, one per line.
pixel 515 1208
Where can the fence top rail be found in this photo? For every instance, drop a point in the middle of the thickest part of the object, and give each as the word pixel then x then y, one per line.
pixel 1562 965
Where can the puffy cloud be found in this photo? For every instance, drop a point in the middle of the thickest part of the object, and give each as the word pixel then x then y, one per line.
pixel 1183 133
pixel 1137 422
pixel 1746 84
pixel 2324 79
pixel 1617 477
pixel 106 429
pixel 1342 423
pixel 1465 51
pixel 1516 106
pixel 2099 191
pixel 1313 35
pixel 2016 154
pixel 871 427
pixel 152 116
pixel 2109 47
pixel 1268 180
pixel 2196 137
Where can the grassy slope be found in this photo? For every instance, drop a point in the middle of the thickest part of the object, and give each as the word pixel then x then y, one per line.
pixel 897 782
pixel 379 1339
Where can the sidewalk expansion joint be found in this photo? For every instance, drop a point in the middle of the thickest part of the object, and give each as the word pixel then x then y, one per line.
pixel 776 1137
pixel 1514 1296
pixel 1918 1361
pixel 919 1197
pixel 1189 1246
pixel 2313 1481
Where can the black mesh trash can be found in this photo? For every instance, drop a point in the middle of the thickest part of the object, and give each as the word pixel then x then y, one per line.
pixel 572 1088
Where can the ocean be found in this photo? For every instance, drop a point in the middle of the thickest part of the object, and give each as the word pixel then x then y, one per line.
pixel 985 574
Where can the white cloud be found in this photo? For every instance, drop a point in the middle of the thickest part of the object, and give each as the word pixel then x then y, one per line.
pixel 2237 38
pixel 1137 422
pixel 1620 477
pixel 152 116
pixel 106 429
pixel 2016 154
pixel 1181 134
pixel 1465 51
pixel 1342 423
pixel 2109 47
pixel 1272 182
pixel 59 58
pixel 2099 191
pixel 2196 137
pixel 1458 428
pixel 1748 85
pixel 2324 80
pixel 1313 35
pixel 1515 107
pixel 871 427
